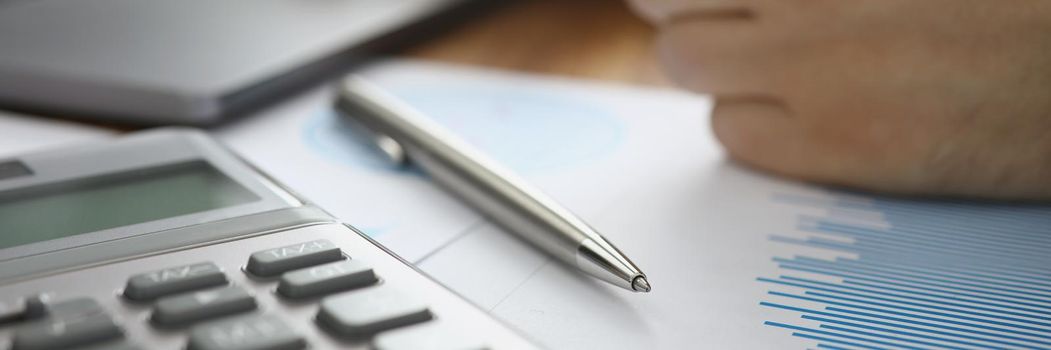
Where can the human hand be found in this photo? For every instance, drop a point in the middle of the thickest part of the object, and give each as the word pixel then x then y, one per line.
pixel 919 97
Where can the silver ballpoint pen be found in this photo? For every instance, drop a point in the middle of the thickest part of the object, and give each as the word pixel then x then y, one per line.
pixel 404 135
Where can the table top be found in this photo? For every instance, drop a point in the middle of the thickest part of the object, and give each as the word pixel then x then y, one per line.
pixel 592 39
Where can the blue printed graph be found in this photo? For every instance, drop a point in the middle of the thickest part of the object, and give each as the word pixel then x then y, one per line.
pixel 916 275
pixel 526 129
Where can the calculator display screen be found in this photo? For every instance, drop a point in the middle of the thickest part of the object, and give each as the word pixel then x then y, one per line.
pixel 57 210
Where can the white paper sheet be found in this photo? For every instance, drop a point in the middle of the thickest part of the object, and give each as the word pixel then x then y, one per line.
pixel 639 164
pixel 737 260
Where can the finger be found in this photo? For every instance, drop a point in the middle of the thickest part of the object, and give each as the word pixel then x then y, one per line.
pixel 759 133
pixel 721 57
pixel 763 134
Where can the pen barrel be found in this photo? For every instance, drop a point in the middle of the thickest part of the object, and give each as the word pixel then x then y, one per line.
pixel 511 208
pixel 487 186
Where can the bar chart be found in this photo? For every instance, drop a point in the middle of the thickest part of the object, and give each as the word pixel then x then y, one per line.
pixel 915 274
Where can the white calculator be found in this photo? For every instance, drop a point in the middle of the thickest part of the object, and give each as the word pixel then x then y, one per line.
pixel 165 240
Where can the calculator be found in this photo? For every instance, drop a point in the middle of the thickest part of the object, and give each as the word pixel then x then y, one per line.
pixel 164 239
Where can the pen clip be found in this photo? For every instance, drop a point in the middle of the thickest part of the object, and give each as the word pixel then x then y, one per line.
pixel 388 146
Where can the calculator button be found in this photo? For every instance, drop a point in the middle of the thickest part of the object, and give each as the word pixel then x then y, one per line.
pixel 324 279
pixel 187 308
pixel 368 311
pixel 428 336
pixel 34 308
pixel 273 262
pixel 73 308
pixel 252 332
pixel 29 308
pixel 65 332
pixel 155 284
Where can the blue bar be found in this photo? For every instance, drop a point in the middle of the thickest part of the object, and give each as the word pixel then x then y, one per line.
pixel 801 285
pixel 903 320
pixel 838 335
pixel 905 314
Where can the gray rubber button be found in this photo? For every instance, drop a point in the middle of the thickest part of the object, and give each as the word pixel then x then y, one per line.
pixel 368 311
pixel 66 331
pixel 427 336
pixel 27 309
pixel 273 262
pixel 252 332
pixel 192 307
pixel 155 284
pixel 325 279
pixel 73 308
pixel 34 307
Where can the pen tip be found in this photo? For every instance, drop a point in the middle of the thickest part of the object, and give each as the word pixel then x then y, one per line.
pixel 640 284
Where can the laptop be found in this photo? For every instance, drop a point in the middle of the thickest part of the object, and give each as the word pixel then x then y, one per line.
pixel 190 62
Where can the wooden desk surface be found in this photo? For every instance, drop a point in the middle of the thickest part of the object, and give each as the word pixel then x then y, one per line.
pixel 597 39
